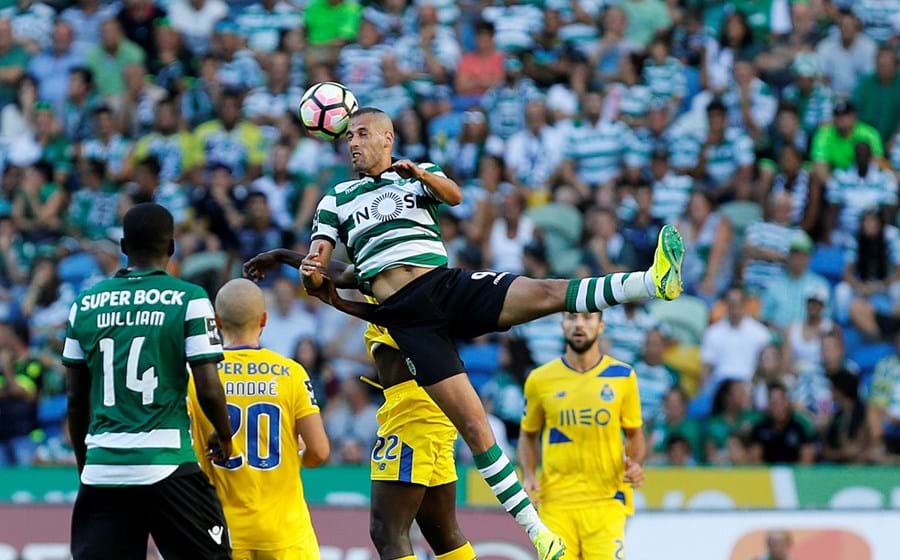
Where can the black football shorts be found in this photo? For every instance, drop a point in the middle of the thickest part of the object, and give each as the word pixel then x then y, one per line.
pixel 182 513
pixel 428 314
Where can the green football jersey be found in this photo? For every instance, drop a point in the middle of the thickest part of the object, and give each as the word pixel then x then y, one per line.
pixel 137 332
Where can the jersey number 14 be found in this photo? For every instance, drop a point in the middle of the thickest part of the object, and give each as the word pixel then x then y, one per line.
pixel 145 384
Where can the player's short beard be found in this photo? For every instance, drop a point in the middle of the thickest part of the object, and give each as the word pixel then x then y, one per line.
pixel 583 347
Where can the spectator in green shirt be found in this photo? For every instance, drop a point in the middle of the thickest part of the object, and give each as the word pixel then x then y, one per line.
pixel 332 23
pixel 878 95
pixel 732 416
pixel 13 60
pixel 94 209
pixel 108 59
pixel 834 144
pixel 675 421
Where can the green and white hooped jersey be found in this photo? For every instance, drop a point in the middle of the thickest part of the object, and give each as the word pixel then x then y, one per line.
pixel 385 222
pixel 136 333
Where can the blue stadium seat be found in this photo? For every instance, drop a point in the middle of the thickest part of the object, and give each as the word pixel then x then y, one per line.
pixel 77 268
pixel 867 356
pixel 828 261
pixel 853 339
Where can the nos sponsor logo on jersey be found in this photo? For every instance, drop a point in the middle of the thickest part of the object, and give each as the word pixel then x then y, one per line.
pixel 607 394
pixel 385 207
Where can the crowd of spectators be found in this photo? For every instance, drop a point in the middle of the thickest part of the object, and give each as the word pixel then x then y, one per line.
pixel 767 130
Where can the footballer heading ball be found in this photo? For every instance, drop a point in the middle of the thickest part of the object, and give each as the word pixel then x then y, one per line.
pixel 325 109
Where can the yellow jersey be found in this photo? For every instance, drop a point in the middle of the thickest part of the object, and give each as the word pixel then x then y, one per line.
pixel 581 416
pixel 259 486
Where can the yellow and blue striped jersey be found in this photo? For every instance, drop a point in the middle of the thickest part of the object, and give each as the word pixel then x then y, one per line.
pixel 581 415
pixel 260 486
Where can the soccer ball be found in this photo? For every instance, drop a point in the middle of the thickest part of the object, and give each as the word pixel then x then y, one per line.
pixel 325 109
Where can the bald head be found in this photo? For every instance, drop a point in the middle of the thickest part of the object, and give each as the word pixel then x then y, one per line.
pixel 240 310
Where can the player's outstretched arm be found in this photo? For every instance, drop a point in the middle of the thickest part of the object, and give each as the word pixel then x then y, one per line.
pixel 211 397
pixel 343 274
pixel 317 448
pixel 78 409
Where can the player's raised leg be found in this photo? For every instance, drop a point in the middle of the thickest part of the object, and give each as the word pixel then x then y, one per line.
pixel 394 507
pixel 529 299
pixel 437 520
pixel 459 401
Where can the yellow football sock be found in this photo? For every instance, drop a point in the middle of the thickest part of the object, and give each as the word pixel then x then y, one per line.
pixel 410 557
pixel 465 552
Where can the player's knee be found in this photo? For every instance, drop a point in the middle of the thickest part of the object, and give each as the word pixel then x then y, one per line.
pixel 444 538
pixel 382 534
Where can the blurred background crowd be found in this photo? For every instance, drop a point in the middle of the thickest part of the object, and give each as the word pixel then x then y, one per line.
pixel 765 129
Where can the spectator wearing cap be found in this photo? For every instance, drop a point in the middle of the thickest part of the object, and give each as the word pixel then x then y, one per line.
pixel 332 23
pixel 709 259
pixel 802 348
pixel 834 145
pixel 533 154
pixel 52 66
pixel 196 20
pixel 429 56
pixel 731 346
pixel 847 55
pixel 782 436
pixel 594 148
pixel 851 191
pixel 263 22
pixel 238 69
pixel 13 61
pixel 86 17
pixel 94 209
pixel 813 100
pixel 870 292
pixel 784 301
pixel 847 438
pixel 482 69
pixel 884 405
pixel 108 60
pixel 725 155
pixel 360 64
pixel 106 144
pixel 231 140
pixel 877 96
pixel 767 244
pixel 173 148
pixel 671 191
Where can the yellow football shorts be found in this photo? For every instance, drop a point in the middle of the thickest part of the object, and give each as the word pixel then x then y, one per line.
pixel 415 439
pixel 590 532
pixel 300 552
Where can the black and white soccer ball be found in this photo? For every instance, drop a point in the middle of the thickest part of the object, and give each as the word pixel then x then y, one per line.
pixel 325 109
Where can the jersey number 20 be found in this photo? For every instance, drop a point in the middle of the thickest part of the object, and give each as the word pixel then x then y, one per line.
pixel 255 458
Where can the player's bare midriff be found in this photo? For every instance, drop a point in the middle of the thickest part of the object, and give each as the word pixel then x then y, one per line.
pixel 388 282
